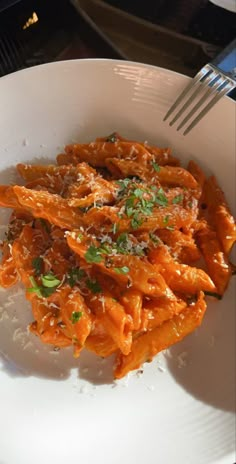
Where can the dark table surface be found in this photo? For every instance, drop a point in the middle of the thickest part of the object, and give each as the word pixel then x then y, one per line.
pixel 37 31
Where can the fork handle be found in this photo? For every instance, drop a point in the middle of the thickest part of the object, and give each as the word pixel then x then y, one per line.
pixel 226 60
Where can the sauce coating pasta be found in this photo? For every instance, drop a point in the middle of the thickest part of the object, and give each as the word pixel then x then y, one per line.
pixel 108 242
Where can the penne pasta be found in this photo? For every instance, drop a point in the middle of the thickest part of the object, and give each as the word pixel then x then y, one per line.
pixel 220 215
pixel 108 244
pixel 146 346
pixel 216 260
pixel 96 153
pixel 53 208
pixel 166 175
pixel 159 310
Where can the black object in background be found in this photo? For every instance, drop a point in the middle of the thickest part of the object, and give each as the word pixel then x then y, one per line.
pixel 39 31
pixel 151 10
pixel 200 19
pixel 214 24
pixel 7 3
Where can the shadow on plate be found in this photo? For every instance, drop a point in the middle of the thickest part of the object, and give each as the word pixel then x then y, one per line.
pixel 204 363
pixel 58 366
pixel 23 355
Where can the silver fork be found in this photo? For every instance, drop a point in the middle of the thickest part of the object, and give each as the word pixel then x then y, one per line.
pixel 210 84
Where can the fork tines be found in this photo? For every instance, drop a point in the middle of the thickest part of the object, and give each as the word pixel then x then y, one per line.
pixel 200 95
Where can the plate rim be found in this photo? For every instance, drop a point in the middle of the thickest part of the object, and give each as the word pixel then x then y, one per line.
pixel 30 70
pixel 51 64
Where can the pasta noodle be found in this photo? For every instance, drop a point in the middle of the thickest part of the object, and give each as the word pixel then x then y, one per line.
pixel 108 244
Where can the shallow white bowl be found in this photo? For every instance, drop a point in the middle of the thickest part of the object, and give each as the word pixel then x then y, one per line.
pixel 54 408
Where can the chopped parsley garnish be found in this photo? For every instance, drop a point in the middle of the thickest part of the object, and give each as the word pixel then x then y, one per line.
pixel 136 221
pixel 160 198
pixel 37 264
pixel 177 199
pixel 46 292
pixel 93 255
pixel 74 275
pixel 121 270
pixel 123 184
pixel 171 228
pixel 35 287
pixel 75 316
pixel 105 249
pixel 112 138
pixel 130 202
pixel 50 280
pixel 140 201
pixel 154 238
pixel 138 193
pixel 122 241
pixel 156 166
pixel 125 245
pixel 96 254
pixel 93 285
pixel 166 220
pixel 49 285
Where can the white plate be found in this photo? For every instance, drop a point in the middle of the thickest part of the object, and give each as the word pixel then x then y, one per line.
pixel 229 5
pixel 180 410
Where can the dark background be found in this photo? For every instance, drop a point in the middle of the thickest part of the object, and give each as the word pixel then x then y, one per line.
pixel 65 31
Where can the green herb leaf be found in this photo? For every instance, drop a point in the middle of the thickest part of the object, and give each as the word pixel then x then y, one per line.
pixel 177 199
pixel 93 285
pixel 129 211
pixel 123 184
pixel 75 316
pixel 47 291
pixel 130 201
pixel 112 138
pixel 156 167
pixel 50 280
pixel 154 238
pixel 136 222
pixel 160 198
pixel 166 220
pixel 171 228
pixel 138 193
pixel 121 270
pixel 37 263
pixel 122 239
pixel 74 275
pixel 41 290
pixel 105 249
pixel 35 288
pixel 93 255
